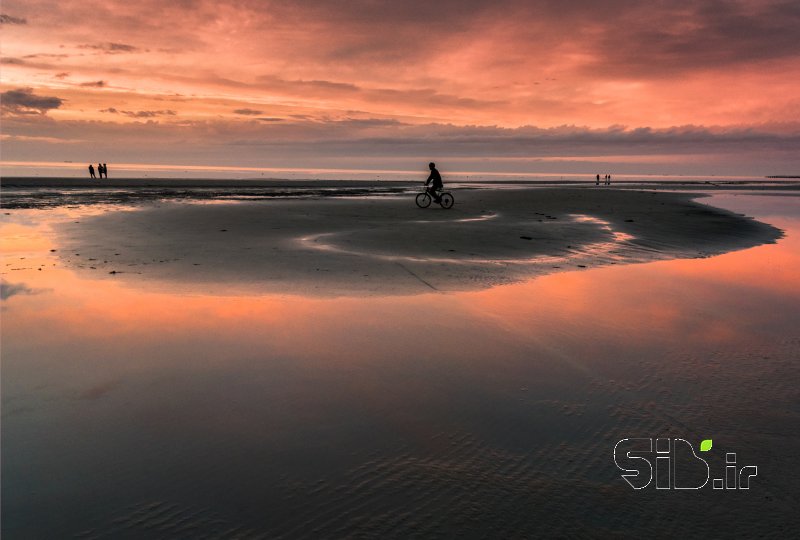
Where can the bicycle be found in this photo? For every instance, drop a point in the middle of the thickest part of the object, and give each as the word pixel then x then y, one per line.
pixel 424 199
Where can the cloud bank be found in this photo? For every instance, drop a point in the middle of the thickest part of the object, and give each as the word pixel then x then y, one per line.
pixel 24 101
pixel 513 78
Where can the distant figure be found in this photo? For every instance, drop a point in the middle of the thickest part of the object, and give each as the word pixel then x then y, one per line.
pixel 91 171
pixel 597 182
pixel 436 179
pixel 608 180
pixel 105 170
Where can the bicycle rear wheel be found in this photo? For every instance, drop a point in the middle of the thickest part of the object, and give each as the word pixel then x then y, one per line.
pixel 447 200
pixel 423 200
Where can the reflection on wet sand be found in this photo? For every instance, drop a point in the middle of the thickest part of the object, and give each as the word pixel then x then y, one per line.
pixel 132 411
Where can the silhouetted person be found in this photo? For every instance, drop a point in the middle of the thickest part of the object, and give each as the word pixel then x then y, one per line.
pixel 91 171
pixel 597 182
pixel 436 180
pixel 105 170
pixel 608 179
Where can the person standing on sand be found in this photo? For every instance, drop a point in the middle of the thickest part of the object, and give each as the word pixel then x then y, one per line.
pixel 597 182
pixel 91 170
pixel 105 170
pixel 436 179
pixel 608 180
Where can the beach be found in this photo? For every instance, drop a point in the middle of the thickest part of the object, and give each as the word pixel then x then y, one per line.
pixel 330 239
pixel 311 361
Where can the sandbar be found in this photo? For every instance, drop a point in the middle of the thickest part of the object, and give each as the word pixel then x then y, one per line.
pixel 385 245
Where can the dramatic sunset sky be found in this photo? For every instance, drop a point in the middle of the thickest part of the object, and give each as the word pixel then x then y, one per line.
pixel 687 87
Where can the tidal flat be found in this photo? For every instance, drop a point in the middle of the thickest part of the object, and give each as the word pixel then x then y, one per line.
pixel 358 367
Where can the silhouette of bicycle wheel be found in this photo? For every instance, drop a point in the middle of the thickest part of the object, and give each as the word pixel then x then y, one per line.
pixel 447 200
pixel 423 200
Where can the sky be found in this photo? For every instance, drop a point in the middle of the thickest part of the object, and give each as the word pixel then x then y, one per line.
pixel 522 86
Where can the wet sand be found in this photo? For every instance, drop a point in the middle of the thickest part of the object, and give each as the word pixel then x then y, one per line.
pixel 139 406
pixel 386 245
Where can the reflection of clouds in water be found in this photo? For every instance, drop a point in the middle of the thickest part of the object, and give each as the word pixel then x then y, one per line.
pixel 7 290
pixel 99 390
pixel 26 219
pixel 503 422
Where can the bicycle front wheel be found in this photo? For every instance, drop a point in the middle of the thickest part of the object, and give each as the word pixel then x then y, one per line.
pixel 423 200
pixel 447 200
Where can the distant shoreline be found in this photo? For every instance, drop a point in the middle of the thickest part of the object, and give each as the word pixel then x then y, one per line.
pixel 25 192
pixel 55 181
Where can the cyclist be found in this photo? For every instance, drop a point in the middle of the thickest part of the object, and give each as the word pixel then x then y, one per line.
pixel 436 179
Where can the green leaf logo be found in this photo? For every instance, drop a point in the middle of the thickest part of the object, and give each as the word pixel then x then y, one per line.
pixel 705 445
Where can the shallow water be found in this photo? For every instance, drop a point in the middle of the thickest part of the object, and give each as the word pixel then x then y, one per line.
pixel 135 413
pixel 53 197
